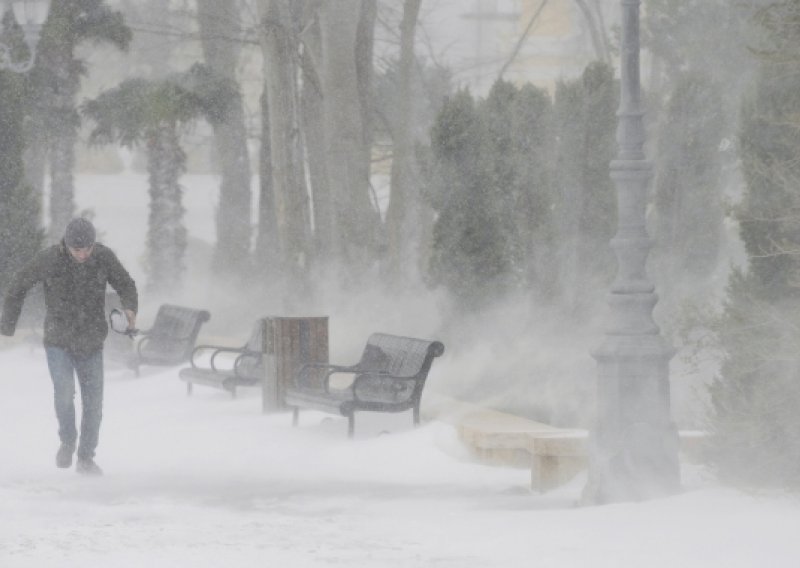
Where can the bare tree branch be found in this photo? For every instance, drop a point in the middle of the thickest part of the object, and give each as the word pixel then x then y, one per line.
pixel 521 39
pixel 597 34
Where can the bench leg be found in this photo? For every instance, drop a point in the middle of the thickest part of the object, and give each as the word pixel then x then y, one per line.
pixel 233 392
pixel 295 416
pixel 351 424
pixel 188 389
pixel 416 416
pixel 132 362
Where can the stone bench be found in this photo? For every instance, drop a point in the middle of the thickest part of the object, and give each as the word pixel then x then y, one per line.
pixel 554 455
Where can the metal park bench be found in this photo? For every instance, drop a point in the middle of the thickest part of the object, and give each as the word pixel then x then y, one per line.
pixel 389 377
pixel 172 337
pixel 227 367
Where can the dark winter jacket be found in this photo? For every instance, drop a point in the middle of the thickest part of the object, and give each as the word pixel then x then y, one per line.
pixel 74 296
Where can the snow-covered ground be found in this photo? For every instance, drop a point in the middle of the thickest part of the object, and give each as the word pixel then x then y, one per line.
pixel 210 481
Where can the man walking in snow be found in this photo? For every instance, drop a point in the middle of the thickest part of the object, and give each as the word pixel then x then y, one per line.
pixel 74 273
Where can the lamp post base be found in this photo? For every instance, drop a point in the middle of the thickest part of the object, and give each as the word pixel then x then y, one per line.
pixel 633 451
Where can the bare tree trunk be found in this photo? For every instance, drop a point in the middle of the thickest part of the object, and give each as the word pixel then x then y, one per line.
pixel 365 71
pixel 403 218
pixel 219 29
pixel 314 137
pixel 279 45
pixel 522 38
pixel 166 235
pixel 354 220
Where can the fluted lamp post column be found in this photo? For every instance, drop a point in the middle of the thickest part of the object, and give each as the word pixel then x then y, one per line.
pixel 30 15
pixel 634 444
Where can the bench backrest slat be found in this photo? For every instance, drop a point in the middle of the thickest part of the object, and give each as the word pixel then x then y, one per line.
pixel 174 332
pixel 402 356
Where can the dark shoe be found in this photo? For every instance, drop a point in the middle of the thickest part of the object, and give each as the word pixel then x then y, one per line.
pixel 64 456
pixel 88 467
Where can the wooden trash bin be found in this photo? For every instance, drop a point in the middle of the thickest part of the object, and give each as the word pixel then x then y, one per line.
pixel 289 343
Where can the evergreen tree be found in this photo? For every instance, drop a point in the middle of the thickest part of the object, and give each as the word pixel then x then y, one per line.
pixel 697 77
pixel 688 207
pixel 533 188
pixel 500 191
pixel 754 421
pixel 585 116
pixel 466 256
pixel 755 398
pixel 678 35
pixel 493 193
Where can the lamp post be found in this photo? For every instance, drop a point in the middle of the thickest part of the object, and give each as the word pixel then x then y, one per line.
pixel 30 14
pixel 634 445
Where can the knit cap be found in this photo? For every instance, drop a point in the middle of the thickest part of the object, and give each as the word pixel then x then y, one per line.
pixel 80 233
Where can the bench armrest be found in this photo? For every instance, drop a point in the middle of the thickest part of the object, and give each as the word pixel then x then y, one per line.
pixel 329 367
pixel 216 351
pixel 305 373
pixel 384 385
pixel 143 339
pixel 244 356
pixel 150 333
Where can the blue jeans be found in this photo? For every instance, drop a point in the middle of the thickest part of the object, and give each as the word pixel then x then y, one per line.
pixel 88 367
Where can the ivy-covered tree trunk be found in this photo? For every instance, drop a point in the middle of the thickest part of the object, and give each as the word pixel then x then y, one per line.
pixel 35 156
pixel 55 86
pixel 20 211
pixel 166 235
pixel 62 181
pixel 53 128
pixel 218 34
pixel 146 112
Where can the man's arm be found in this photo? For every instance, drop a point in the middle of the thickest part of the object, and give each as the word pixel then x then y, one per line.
pixel 124 286
pixel 25 279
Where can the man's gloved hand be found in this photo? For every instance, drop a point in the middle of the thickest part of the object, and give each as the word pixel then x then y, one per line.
pixel 131 315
